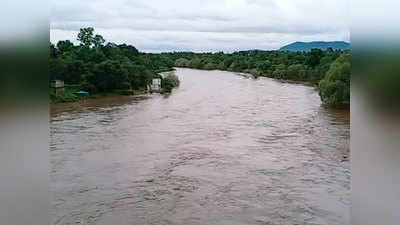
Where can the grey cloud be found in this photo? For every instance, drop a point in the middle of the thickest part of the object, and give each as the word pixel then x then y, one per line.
pixel 206 24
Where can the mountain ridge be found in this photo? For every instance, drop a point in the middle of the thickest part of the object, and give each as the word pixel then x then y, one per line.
pixel 307 46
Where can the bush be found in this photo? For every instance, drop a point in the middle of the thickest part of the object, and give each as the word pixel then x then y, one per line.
pixel 210 66
pixel 67 96
pixel 169 82
pixel 86 86
pixel 256 73
pixel 335 87
pixel 195 63
pixel 296 71
pixel 182 62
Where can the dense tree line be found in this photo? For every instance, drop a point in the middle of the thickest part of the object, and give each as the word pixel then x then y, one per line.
pixel 97 66
pixel 309 66
pixel 335 86
pixel 329 68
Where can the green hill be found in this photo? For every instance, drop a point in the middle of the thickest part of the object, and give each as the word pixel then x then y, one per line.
pixel 307 46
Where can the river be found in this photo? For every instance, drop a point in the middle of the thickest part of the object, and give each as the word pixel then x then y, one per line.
pixel 221 149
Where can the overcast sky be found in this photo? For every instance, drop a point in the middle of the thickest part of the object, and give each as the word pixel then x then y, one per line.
pixel 202 25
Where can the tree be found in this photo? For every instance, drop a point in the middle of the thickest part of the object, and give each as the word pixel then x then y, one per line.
pixel 64 46
pixel 88 39
pixel 263 66
pixel 57 69
pixel 108 75
pixel 53 51
pixel 195 63
pixel 227 62
pixel 98 41
pixel 137 75
pixel 111 50
pixel 314 57
pixel 182 62
pixel 210 66
pixel 335 87
pixel 85 36
pixel 296 71
pixel 102 68
pixel 169 82
pixel 129 51
pixel 280 71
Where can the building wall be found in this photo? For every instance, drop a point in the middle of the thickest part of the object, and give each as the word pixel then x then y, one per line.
pixel 57 84
pixel 156 84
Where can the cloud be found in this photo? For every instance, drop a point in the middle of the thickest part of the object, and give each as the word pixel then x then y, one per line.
pixel 157 25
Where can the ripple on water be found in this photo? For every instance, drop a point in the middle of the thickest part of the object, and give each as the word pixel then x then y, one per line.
pixel 218 150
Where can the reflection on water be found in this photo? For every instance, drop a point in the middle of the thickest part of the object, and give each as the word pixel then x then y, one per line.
pixel 221 149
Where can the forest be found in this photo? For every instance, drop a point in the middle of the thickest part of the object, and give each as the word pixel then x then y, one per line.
pixel 99 67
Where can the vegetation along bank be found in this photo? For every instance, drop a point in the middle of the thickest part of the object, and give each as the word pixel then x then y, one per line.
pixel 105 68
pixel 329 69
pixel 102 68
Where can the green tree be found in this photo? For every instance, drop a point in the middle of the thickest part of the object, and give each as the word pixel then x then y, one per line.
pixel 210 66
pixel 296 71
pixel 64 46
pixel 85 36
pixel 88 39
pixel 98 41
pixel 182 62
pixel 335 87
pixel 314 57
pixel 169 82
pixel 195 63
pixel 53 51
pixel 108 75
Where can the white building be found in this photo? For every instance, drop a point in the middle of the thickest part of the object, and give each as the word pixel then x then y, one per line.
pixel 57 86
pixel 156 84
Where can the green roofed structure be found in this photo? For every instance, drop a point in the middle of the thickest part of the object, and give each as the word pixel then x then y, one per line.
pixel 82 93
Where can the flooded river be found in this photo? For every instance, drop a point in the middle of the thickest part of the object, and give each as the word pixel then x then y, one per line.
pixel 221 149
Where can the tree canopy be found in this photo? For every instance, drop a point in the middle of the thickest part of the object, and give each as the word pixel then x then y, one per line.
pixel 98 66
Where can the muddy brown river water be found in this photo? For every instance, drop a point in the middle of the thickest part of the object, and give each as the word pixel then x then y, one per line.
pixel 221 149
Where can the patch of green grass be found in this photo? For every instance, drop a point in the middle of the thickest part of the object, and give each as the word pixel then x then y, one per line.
pixel 67 96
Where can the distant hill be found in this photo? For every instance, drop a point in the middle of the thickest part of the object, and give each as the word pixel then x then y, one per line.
pixel 307 46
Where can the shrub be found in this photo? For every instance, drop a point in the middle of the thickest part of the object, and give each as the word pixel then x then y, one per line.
pixel 335 87
pixel 67 96
pixel 182 62
pixel 210 66
pixel 169 82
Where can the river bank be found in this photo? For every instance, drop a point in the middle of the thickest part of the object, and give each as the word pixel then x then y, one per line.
pixel 254 75
pixel 313 83
pixel 70 96
pixel 330 69
pixel 168 81
pixel 250 75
